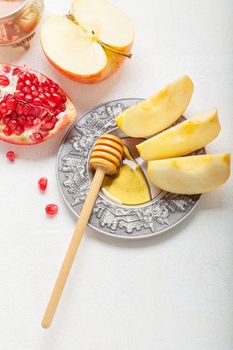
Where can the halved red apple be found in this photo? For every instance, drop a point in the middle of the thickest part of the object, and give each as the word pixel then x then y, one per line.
pixel 91 43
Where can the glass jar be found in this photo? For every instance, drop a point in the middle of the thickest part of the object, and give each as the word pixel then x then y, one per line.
pixel 17 28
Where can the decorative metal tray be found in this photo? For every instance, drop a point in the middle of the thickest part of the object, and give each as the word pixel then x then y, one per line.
pixel 163 212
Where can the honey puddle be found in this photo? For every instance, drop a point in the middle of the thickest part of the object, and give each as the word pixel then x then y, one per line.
pixel 129 186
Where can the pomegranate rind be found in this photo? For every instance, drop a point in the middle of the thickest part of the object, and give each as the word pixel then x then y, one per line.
pixel 64 118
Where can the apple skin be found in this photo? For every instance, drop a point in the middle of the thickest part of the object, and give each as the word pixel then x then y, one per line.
pixel 114 61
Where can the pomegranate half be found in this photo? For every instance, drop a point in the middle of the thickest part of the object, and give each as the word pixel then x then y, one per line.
pixel 33 108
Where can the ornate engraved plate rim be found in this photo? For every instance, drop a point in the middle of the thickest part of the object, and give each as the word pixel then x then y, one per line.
pixel 186 203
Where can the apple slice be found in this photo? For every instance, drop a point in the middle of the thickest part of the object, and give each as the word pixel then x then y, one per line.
pixel 157 112
pixel 89 44
pixel 183 138
pixel 190 175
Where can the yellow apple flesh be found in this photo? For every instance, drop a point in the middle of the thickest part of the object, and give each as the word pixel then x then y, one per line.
pixel 89 45
pixel 183 138
pixel 157 112
pixel 190 175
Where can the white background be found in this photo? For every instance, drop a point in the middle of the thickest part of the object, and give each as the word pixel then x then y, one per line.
pixel 173 292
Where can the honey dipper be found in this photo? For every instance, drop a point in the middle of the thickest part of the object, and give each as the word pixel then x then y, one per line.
pixel 105 158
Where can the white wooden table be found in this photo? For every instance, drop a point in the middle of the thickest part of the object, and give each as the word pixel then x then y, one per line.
pixel 173 292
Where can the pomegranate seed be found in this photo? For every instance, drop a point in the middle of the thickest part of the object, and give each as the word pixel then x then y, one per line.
pixel 44 133
pixel 1 116
pixel 7 131
pixel 42 96
pixel 42 183
pixel 62 107
pixel 10 156
pixel 13 115
pixel 47 126
pixel 26 109
pixel 12 124
pixel 34 88
pixel 63 98
pixel 29 122
pixel 11 103
pixel 19 86
pixel 48 82
pixel 4 81
pixel 47 95
pixel 46 118
pixel 6 69
pixel 37 122
pixel 22 120
pixel 3 108
pixel 54 120
pixel 28 82
pixel 19 130
pixel 51 209
pixel 19 96
pixel 19 108
pixel 37 101
pixel 57 111
pixel 36 136
pixel 6 119
pixel 55 97
pixel 35 93
pixel 55 86
pixel 26 89
pixel 28 98
pixel 36 111
pixel 16 71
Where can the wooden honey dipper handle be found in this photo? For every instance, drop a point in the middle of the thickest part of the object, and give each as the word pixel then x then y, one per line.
pixel 102 166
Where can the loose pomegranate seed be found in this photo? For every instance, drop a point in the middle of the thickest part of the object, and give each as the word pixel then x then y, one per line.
pixel 10 156
pixel 42 183
pixel 1 116
pixel 28 98
pixel 4 81
pixel 51 209
pixel 7 131
pixel 19 96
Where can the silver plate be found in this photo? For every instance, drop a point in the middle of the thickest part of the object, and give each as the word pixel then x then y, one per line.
pixel 152 218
